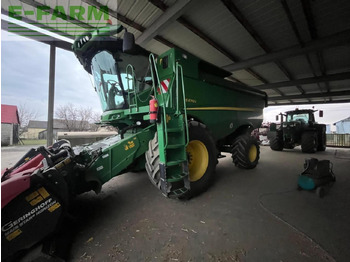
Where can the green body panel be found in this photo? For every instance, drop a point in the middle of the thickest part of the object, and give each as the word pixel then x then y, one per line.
pixel 223 106
pixel 117 154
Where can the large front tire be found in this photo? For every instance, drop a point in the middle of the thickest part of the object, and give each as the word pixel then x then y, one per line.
pixel 202 158
pixel 246 152
pixel 309 142
pixel 276 143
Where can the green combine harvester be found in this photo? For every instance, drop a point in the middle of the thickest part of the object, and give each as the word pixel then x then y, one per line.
pixel 198 114
pixel 175 114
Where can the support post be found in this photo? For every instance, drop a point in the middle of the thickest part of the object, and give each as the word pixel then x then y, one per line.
pixel 51 95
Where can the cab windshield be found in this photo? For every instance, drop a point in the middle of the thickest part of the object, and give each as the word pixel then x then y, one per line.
pixel 303 117
pixel 112 80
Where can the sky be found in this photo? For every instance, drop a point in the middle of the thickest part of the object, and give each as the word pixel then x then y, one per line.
pixel 25 76
pixel 25 79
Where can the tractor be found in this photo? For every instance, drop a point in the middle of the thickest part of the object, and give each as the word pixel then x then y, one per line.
pixel 175 114
pixel 299 128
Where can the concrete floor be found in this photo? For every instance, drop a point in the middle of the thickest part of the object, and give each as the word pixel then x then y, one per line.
pixel 247 215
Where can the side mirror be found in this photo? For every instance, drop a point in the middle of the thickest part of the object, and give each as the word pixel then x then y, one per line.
pixel 277 118
pixel 128 42
pixel 320 113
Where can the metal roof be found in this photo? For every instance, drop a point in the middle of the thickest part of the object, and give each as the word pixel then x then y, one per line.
pixel 9 114
pixel 297 51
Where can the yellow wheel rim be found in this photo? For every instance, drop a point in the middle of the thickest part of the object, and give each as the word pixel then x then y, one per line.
pixel 253 152
pixel 198 159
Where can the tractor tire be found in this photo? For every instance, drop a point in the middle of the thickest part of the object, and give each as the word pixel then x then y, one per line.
pixel 202 159
pixel 322 139
pixel 309 142
pixel 152 161
pixel 276 143
pixel 245 152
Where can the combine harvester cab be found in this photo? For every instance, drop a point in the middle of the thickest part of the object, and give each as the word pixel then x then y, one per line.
pixel 175 114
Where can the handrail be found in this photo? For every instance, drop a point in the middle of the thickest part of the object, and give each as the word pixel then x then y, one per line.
pixel 133 88
pixel 154 67
pixel 178 66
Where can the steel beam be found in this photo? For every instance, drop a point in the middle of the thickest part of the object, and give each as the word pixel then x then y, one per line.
pixel 51 95
pixel 167 18
pixel 128 22
pixel 305 81
pixel 312 102
pixel 337 39
pixel 312 95
pixel 46 39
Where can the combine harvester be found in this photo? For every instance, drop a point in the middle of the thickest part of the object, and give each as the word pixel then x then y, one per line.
pixel 175 114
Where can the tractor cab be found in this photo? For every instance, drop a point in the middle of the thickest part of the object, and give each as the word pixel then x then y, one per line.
pixel 301 116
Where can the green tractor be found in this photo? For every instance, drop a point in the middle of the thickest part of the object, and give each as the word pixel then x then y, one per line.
pixel 299 128
pixel 175 114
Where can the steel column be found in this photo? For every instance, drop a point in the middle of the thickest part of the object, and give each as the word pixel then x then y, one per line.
pixel 51 95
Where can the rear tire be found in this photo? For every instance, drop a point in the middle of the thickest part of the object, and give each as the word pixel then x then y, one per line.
pixel 309 142
pixel 246 152
pixel 322 139
pixel 276 143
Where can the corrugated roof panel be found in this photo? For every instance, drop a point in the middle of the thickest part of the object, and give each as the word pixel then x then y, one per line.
pixel 148 15
pixel 340 85
pixel 104 2
pixel 136 9
pixel 337 58
pixel 156 47
pixel 271 72
pixel 114 5
pixel 297 13
pixel 290 90
pixel 246 78
pixel 298 67
pixel 312 88
pixel 185 39
pixel 272 93
pixel 122 6
pixel 214 20
pixel 269 20
pixel 331 16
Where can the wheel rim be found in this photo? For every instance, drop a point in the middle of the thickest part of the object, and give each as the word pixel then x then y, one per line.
pixel 253 152
pixel 198 159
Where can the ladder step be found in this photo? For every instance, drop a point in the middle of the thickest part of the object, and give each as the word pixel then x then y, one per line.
pixel 174 163
pixel 175 146
pixel 175 178
pixel 178 192
pixel 174 130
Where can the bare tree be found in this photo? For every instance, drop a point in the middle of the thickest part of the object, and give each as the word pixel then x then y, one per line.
pixel 25 114
pixel 75 119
